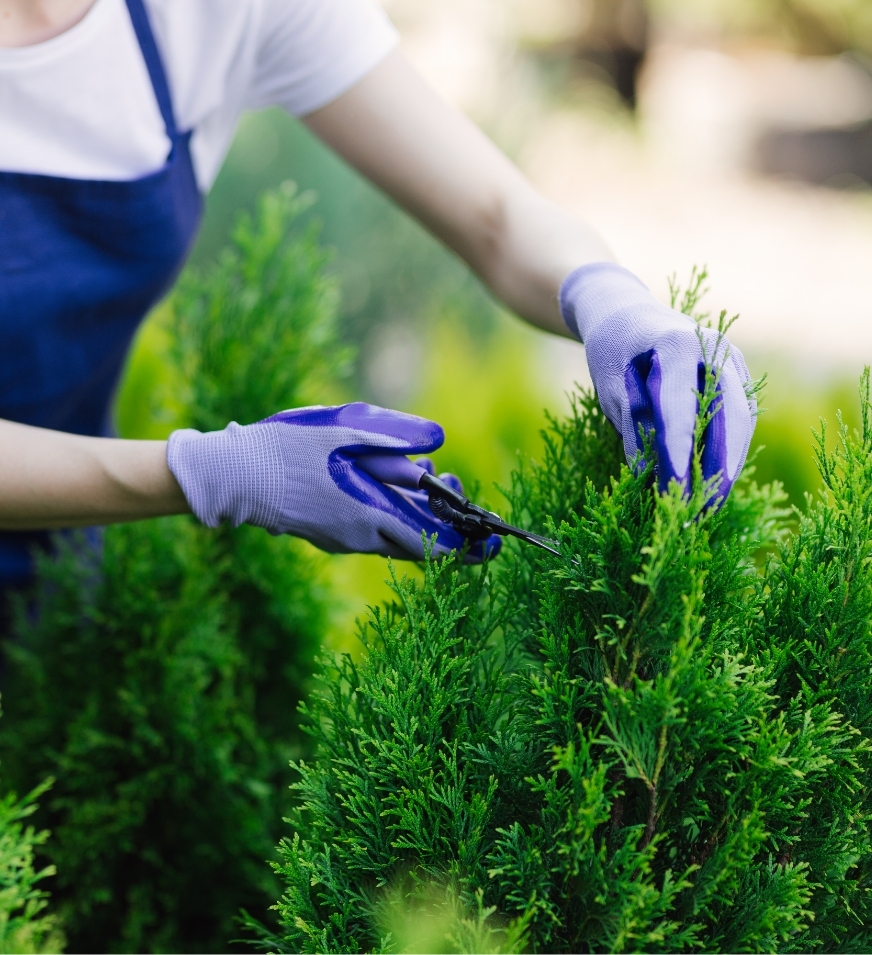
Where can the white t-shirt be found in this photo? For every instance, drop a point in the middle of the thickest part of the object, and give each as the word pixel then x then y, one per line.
pixel 82 105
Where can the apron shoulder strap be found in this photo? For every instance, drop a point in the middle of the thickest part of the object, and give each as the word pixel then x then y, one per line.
pixel 154 63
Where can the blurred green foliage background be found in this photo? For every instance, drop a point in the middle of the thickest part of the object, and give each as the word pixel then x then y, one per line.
pixel 430 340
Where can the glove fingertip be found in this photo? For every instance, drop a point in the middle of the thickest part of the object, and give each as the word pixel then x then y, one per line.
pixel 484 550
pixel 493 545
pixel 452 480
pixel 666 474
pixel 419 435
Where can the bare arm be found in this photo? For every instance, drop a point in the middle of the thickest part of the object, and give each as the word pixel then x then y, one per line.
pixel 49 479
pixel 394 129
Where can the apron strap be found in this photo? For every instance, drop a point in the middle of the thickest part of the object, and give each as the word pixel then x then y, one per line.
pixel 152 57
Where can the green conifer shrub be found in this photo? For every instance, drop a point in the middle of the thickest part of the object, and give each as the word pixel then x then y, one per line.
pixel 24 925
pixel 658 742
pixel 158 682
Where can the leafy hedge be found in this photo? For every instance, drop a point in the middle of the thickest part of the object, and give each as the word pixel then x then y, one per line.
pixel 158 679
pixel 659 742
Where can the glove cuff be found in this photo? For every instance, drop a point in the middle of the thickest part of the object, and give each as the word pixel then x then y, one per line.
pixel 231 475
pixel 594 291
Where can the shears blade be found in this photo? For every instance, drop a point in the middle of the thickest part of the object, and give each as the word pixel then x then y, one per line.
pixel 448 504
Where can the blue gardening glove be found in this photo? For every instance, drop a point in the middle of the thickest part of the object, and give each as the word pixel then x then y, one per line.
pixel 299 473
pixel 646 362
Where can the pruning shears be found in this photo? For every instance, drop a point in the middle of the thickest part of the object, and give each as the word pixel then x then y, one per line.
pixel 446 503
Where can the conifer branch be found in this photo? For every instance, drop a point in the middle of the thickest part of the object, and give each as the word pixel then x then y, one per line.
pixel 665 745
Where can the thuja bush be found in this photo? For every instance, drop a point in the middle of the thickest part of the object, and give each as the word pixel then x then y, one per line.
pixel 659 741
pixel 25 927
pixel 157 680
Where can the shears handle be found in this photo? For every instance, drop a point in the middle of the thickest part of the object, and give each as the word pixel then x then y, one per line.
pixel 446 503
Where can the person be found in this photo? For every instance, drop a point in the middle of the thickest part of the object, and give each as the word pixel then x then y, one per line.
pixel 116 116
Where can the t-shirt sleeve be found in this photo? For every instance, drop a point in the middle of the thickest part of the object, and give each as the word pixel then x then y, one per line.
pixel 311 51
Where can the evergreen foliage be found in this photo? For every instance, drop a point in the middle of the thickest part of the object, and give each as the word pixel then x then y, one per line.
pixel 658 742
pixel 158 679
pixel 24 925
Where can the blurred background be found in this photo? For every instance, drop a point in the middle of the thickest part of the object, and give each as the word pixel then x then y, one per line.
pixel 731 134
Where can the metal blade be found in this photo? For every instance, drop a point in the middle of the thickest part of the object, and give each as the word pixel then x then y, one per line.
pixel 492 522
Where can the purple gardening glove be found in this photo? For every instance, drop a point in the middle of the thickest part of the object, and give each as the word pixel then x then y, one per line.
pixel 646 362
pixel 298 473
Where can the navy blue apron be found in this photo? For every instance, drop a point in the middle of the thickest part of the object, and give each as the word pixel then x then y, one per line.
pixel 81 263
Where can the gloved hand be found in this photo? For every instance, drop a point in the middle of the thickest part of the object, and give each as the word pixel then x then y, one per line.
pixel 646 362
pixel 297 473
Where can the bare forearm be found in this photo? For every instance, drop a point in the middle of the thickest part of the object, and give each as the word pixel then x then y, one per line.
pixel 49 479
pixel 539 245
pixel 437 164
